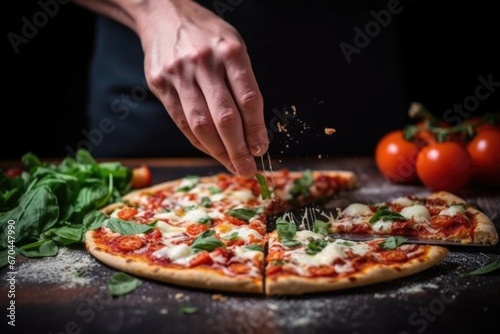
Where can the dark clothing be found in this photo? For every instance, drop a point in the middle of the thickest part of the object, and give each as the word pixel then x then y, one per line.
pixel 297 59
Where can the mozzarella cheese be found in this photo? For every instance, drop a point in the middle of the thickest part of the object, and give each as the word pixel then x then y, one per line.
pixel 196 215
pixel 302 236
pixel 167 228
pixel 382 226
pixel 419 213
pixel 245 253
pixel 453 211
pixel 356 209
pixel 174 252
pixel 404 201
pixel 244 233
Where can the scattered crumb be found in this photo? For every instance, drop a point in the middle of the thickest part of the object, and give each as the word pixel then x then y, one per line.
pixel 219 297
pixel 330 131
pixel 163 311
pixel 319 156
pixel 179 296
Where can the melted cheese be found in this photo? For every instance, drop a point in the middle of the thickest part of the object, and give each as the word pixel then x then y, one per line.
pixel 243 195
pixel 382 226
pixel 174 252
pixel 195 215
pixel 419 213
pixel 167 228
pixel 244 233
pixel 404 201
pixel 453 211
pixel 356 209
pixel 247 254
pixel 302 236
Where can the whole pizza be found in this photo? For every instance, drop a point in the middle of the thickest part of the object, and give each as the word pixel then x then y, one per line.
pixel 214 232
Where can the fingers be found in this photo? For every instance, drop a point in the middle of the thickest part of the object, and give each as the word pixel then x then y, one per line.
pixel 201 124
pixel 226 117
pixel 248 98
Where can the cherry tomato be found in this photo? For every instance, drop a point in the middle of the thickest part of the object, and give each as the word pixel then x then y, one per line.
pixel 13 172
pixel 395 157
pixel 444 166
pixel 484 150
pixel 141 176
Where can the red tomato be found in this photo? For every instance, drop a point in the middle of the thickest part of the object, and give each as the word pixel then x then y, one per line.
pixel 13 172
pixel 444 166
pixel 484 150
pixel 395 157
pixel 141 176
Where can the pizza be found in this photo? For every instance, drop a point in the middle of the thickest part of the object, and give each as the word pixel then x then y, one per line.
pixel 438 216
pixel 214 232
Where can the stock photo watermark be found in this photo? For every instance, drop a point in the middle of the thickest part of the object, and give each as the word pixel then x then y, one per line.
pixel 121 107
pixel 223 6
pixel 12 273
pixel 421 318
pixel 363 37
pixel 31 25
pixel 483 91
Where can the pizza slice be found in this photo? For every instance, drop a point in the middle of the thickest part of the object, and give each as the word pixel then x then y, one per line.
pixel 305 261
pixel 438 216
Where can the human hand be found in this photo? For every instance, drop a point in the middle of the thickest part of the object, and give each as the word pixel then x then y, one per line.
pixel 198 67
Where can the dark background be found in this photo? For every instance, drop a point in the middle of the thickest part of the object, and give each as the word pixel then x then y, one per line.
pixel 445 48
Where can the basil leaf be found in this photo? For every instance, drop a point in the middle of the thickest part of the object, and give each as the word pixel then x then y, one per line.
pixel 214 190
pixel 264 188
pixel 128 228
pixel 205 202
pixel 67 235
pixel 286 230
pixel 385 214
pixel 492 266
pixel 321 227
pixel 189 182
pixel 207 221
pixel 316 246
pixel 206 241
pixel 392 242
pixel 121 283
pixel 346 243
pixel 258 248
pixel 301 186
pixel 242 213
pixel 232 236
pixel 188 309
pixel 42 248
pixel 291 243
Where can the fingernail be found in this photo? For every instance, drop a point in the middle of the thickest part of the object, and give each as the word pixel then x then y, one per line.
pixel 257 150
pixel 231 169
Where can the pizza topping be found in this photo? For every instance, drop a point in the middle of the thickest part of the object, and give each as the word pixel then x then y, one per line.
pixel 127 227
pixel 403 201
pixel 174 252
pixel 383 214
pixel 356 209
pixel 418 212
pixel 197 216
pixel 244 214
pixel 301 186
pixel 168 228
pixel 247 253
pixel 453 210
pixel 264 188
pixel 206 241
pixel 188 183
pixel 392 242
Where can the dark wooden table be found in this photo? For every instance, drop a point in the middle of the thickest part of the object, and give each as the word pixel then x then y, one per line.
pixel 68 294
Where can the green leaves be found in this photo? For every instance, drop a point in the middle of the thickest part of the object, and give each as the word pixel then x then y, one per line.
pixel 488 268
pixel 286 233
pixel 392 242
pixel 264 188
pixel 257 248
pixel 243 213
pixel 121 283
pixel 316 246
pixel 385 214
pixel 49 201
pixel 128 228
pixel 301 186
pixel 206 241
pixel 320 227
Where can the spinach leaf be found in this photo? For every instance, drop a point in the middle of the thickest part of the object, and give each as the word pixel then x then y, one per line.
pixel 487 268
pixel 121 283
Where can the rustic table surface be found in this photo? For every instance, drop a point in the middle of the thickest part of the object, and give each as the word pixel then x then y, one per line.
pixel 68 293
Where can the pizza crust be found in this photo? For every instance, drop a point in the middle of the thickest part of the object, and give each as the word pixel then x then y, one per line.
pixel 296 285
pixel 198 277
